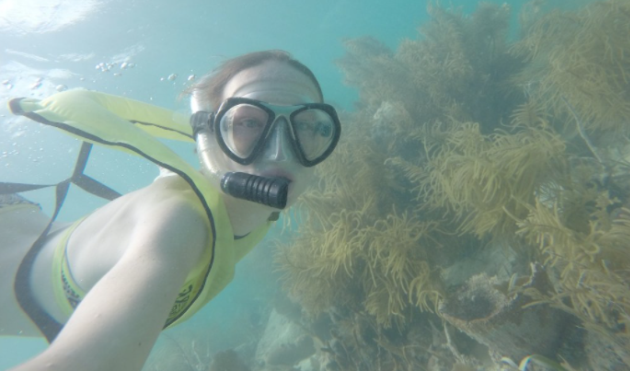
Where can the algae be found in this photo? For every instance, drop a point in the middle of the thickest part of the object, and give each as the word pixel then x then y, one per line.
pixel 464 142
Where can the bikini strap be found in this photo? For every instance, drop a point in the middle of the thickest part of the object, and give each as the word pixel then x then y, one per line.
pixel 49 327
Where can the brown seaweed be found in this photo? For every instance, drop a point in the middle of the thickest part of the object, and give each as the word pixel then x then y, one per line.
pixel 463 142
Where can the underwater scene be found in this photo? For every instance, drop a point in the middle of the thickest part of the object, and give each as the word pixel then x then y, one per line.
pixel 474 216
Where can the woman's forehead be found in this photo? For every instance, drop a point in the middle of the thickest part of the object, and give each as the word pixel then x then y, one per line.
pixel 272 81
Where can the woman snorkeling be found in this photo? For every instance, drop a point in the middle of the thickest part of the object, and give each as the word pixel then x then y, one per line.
pixel 151 258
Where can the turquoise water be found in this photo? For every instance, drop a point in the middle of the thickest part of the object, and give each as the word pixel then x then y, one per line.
pixel 47 45
pixel 50 45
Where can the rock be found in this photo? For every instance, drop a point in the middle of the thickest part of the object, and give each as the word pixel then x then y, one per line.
pixel 227 360
pixel 500 322
pixel 284 343
pixel 292 353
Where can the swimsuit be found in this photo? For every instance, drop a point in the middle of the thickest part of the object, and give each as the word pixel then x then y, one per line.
pixel 68 293
pixel 133 127
pixel 12 201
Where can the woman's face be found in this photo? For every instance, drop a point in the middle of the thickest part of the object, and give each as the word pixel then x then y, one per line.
pixel 276 83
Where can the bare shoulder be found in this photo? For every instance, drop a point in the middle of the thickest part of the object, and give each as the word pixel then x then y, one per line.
pixel 167 194
pixel 169 210
pixel 163 219
pixel 163 206
pixel 161 236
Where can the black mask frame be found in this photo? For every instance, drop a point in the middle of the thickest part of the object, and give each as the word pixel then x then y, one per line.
pixel 202 119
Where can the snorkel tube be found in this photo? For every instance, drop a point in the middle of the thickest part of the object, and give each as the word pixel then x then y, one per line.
pixel 270 191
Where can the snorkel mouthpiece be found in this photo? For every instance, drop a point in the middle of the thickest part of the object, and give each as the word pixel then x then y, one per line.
pixel 267 191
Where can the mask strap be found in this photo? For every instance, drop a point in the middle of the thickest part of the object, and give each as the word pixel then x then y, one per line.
pixel 201 120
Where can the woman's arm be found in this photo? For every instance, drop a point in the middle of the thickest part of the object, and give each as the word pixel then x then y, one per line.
pixel 117 323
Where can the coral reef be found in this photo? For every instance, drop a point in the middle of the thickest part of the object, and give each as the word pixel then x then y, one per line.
pixel 468 150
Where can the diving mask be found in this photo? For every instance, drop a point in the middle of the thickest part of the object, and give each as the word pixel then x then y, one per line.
pixel 242 127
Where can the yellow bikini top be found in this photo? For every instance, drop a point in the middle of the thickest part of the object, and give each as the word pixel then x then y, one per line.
pixel 133 127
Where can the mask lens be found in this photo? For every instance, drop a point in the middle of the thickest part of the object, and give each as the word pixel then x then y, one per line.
pixel 315 132
pixel 241 127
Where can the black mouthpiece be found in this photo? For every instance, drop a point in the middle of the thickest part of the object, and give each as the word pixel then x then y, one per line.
pixel 267 191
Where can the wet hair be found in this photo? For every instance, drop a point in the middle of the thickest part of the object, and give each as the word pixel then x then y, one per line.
pixel 210 88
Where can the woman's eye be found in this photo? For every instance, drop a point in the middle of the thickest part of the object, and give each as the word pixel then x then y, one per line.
pixel 315 128
pixel 324 129
pixel 250 123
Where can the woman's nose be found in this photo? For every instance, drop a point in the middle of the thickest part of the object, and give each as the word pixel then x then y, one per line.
pixel 278 147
